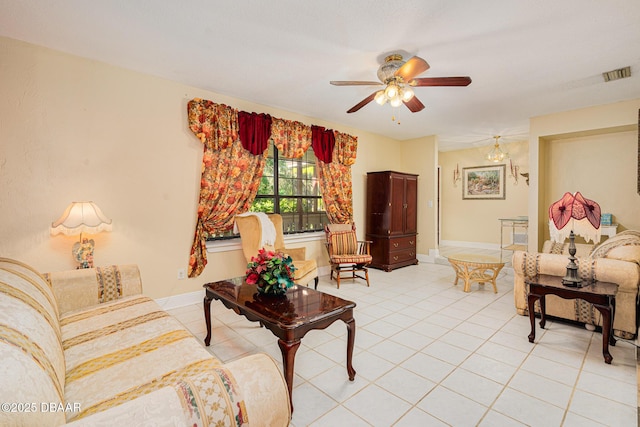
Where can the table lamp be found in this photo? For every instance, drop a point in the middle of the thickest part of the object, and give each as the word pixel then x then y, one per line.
pixel 583 216
pixel 78 218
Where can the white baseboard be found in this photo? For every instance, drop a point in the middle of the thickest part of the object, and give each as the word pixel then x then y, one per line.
pixel 181 300
pixel 477 245
pixel 430 258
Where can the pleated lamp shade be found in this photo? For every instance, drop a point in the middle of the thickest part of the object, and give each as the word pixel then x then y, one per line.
pixel 81 217
pixel 574 212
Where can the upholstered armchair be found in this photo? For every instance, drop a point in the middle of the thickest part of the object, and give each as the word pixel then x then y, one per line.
pixel 346 253
pixel 254 238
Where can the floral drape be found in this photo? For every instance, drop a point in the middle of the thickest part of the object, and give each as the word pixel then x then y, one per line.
pixel 230 174
pixel 291 138
pixel 234 158
pixel 335 179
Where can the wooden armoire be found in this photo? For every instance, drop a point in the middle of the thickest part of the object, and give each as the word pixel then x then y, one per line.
pixel 392 218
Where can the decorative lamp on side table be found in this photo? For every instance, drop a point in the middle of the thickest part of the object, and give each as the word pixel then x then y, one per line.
pixel 583 216
pixel 79 218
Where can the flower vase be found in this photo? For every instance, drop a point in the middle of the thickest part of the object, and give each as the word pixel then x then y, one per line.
pixel 265 288
pixel 271 272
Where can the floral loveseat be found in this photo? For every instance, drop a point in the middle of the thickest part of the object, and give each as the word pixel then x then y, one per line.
pixel 615 260
pixel 84 347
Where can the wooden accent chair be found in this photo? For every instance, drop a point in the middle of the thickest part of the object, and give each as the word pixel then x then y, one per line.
pixel 346 253
pixel 250 229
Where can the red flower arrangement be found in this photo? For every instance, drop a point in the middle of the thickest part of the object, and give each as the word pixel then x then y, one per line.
pixel 271 272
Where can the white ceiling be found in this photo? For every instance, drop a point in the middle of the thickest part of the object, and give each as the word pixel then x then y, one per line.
pixel 526 58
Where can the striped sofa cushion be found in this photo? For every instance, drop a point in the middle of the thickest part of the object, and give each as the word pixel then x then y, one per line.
pixel 33 366
pixel 343 242
pixel 124 349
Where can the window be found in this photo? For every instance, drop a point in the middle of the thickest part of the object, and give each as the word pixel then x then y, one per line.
pixel 293 192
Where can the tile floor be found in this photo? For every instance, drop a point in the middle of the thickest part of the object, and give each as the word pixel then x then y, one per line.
pixel 427 353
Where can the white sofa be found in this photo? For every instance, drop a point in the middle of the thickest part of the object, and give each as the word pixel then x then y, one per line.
pixel 85 347
pixel 615 260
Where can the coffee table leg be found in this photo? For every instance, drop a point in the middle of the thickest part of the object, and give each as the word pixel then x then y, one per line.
pixel 606 331
pixel 455 268
pixel 207 318
pixel 351 336
pixel 531 299
pixel 288 350
pixel 496 271
pixel 467 278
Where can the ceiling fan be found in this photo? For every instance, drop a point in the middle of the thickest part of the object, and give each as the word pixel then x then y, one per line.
pixel 399 76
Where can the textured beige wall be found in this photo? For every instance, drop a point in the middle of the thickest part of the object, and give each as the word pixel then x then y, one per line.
pixel 610 119
pixel 602 167
pixel 75 129
pixel 419 156
pixel 477 220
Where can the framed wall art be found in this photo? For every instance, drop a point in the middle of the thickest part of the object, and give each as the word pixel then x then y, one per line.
pixel 483 183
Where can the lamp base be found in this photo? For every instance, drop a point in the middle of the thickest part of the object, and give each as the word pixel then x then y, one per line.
pixel 83 252
pixel 571 279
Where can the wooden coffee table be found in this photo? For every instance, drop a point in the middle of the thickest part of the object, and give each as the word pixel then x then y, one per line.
pixel 288 317
pixel 601 294
pixel 476 268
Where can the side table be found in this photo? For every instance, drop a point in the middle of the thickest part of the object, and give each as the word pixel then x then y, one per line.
pixel 601 294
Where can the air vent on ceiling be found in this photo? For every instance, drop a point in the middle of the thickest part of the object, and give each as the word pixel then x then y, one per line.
pixel 620 73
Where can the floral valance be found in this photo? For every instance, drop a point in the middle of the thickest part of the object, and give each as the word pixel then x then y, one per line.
pixel 218 126
pixel 346 148
pixel 291 138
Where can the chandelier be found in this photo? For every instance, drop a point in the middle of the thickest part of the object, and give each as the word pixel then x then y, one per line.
pixel 397 91
pixel 496 154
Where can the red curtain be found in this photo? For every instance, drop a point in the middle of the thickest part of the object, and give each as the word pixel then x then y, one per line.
pixel 255 130
pixel 322 140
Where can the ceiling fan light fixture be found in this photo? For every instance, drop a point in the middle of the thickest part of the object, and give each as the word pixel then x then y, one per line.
pixel 407 94
pixel 391 91
pixel 380 97
pixel 396 101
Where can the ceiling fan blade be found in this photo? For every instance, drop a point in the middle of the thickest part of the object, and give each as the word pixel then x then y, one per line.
pixel 412 68
pixel 414 104
pixel 353 83
pixel 441 81
pixel 362 103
